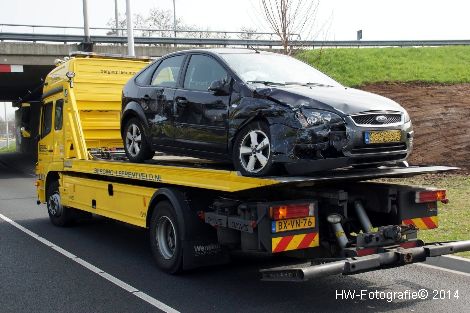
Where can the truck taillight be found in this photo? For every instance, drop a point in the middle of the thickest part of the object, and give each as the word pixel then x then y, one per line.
pixel 431 196
pixel 281 212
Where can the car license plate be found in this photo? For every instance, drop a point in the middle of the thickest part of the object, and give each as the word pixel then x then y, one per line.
pixel 383 136
pixel 293 224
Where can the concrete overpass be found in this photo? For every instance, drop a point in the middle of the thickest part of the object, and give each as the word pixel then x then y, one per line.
pixel 24 65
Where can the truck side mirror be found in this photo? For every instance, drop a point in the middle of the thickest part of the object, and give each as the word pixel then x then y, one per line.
pixel 25 133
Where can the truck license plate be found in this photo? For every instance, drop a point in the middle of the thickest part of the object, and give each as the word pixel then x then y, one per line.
pixel 293 224
pixel 383 136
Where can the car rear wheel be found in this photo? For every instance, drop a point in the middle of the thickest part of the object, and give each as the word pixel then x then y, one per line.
pixel 136 144
pixel 252 153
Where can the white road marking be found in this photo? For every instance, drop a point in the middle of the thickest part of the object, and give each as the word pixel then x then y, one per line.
pixel 116 281
pixel 456 257
pixel 443 269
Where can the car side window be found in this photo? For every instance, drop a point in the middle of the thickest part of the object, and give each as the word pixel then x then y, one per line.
pixel 58 117
pixel 202 71
pixel 167 72
pixel 46 119
pixel 144 78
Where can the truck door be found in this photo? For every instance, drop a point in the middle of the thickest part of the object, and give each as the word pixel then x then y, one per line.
pixel 58 147
pixel 51 143
pixel 46 136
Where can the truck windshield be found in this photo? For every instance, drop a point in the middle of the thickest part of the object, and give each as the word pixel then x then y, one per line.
pixel 275 69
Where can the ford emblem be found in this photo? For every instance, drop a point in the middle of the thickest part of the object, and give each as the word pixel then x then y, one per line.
pixel 381 119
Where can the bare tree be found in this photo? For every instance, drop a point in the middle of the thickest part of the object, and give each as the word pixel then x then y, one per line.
pixel 287 18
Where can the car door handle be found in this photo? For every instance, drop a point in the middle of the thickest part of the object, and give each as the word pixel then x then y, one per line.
pixel 180 101
pixel 146 98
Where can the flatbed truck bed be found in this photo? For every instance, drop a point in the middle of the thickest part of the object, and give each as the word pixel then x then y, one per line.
pixel 197 212
pixel 203 174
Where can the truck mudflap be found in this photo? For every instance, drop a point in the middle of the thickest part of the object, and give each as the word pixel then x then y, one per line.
pixel 393 257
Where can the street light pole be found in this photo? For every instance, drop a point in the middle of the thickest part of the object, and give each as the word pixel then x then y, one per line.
pixel 116 16
pixel 130 31
pixel 174 17
pixel 86 27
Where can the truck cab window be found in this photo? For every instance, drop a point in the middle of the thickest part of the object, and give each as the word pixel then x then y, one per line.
pixel 58 119
pixel 46 119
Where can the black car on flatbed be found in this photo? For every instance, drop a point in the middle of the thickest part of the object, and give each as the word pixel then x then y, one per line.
pixel 259 110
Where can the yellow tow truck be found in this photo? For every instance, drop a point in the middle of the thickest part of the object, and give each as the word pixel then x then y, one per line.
pixel 197 212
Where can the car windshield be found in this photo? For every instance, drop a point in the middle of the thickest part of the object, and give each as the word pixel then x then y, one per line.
pixel 275 69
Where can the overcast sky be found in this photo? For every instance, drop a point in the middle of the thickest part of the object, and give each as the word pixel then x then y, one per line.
pixel 379 19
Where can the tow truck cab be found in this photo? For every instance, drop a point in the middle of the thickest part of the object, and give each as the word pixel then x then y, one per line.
pixel 198 212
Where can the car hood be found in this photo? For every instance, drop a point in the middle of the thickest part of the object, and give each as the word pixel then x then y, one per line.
pixel 340 99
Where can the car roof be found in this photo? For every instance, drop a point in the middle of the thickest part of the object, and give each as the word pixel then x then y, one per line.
pixel 218 51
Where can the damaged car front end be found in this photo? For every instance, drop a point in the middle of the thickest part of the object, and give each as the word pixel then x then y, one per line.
pixel 314 135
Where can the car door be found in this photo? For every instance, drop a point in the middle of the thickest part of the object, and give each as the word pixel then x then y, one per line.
pixel 157 100
pixel 200 114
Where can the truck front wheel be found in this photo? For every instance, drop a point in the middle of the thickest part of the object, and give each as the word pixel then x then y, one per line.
pixel 58 214
pixel 165 238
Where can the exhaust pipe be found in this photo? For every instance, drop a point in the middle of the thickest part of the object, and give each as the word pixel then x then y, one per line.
pixel 335 222
pixel 363 218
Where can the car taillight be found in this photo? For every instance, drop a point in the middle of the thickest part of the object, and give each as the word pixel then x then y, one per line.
pixel 431 196
pixel 287 211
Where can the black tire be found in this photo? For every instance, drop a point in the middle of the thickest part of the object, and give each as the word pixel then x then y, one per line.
pixel 58 214
pixel 136 145
pixel 165 238
pixel 251 163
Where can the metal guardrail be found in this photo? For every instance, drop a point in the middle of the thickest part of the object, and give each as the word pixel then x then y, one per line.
pixel 226 42
pixel 66 30
pixel 215 38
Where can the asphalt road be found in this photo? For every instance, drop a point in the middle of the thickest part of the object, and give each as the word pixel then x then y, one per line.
pixel 36 278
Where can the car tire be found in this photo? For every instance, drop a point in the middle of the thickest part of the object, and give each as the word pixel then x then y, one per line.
pixel 165 238
pixel 136 145
pixel 59 215
pixel 252 152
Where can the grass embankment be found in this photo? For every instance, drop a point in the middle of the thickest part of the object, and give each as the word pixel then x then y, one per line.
pixel 356 67
pixel 454 217
pixel 443 65
pixel 10 148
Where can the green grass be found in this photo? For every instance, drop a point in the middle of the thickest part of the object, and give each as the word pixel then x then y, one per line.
pixel 356 67
pixel 454 217
pixel 10 148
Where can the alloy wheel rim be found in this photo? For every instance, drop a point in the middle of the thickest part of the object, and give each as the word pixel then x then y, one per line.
pixel 133 140
pixel 166 237
pixel 255 150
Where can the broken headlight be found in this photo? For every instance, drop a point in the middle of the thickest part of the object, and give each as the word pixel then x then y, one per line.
pixel 312 118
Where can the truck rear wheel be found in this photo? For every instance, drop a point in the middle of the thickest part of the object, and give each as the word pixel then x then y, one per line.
pixel 165 238
pixel 58 214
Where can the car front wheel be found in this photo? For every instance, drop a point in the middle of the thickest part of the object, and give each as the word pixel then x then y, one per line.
pixel 252 153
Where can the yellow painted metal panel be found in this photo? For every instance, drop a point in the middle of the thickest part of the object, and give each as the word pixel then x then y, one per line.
pixel 128 203
pixel 187 176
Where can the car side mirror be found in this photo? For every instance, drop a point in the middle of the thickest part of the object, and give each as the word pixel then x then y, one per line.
pixel 220 87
